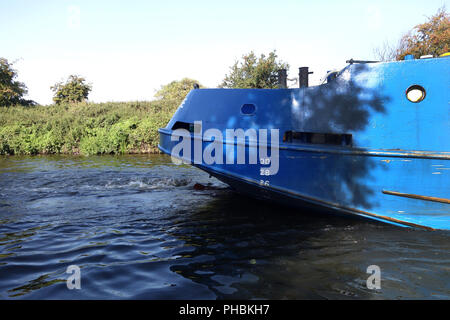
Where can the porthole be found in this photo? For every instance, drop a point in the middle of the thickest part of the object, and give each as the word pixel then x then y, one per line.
pixel 248 109
pixel 415 93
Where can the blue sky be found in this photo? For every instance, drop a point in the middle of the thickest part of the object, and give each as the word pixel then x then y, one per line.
pixel 128 49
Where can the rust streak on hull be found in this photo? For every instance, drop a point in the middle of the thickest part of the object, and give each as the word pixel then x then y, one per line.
pixel 416 196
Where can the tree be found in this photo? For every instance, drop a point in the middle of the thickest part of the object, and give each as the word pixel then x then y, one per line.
pixel 177 90
pixel 431 37
pixel 74 90
pixel 11 91
pixel 253 72
pixel 386 52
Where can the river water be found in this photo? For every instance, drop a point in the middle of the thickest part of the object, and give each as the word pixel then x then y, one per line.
pixel 138 229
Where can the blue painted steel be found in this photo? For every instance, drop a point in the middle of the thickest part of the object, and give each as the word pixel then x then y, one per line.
pixel 397 169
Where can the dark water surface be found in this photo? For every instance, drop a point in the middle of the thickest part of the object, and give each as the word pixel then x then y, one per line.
pixel 138 229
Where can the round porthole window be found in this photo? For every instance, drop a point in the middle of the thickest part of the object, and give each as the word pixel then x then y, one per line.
pixel 415 93
pixel 248 109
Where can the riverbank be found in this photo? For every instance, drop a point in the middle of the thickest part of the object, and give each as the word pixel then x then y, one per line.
pixel 84 128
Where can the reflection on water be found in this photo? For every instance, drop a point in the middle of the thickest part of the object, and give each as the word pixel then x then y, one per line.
pixel 139 229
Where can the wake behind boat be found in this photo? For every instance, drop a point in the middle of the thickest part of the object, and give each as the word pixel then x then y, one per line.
pixel 372 141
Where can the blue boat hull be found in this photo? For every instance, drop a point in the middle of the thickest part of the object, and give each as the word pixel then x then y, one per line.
pixel 395 169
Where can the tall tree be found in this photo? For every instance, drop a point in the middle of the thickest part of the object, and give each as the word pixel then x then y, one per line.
pixel 11 91
pixel 177 90
pixel 254 72
pixel 431 37
pixel 74 89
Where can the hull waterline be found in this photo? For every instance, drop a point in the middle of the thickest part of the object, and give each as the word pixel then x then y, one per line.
pixel 355 146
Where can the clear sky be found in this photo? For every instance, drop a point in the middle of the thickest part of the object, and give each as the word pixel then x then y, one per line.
pixel 128 49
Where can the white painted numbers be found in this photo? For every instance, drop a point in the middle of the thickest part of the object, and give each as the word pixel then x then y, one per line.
pixel 264 171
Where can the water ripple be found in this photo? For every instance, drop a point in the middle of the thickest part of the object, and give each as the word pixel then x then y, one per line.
pixel 139 229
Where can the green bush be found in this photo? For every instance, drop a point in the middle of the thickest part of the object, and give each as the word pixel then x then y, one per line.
pixel 90 128
pixel 84 128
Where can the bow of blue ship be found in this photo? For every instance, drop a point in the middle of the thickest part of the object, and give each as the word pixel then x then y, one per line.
pixel 373 141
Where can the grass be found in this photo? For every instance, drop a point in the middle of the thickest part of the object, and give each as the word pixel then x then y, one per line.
pixel 84 128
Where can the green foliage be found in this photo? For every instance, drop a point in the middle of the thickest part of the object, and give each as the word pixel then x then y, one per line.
pixel 11 91
pixel 253 72
pixel 74 90
pixel 85 128
pixel 431 37
pixel 176 91
pixel 90 128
